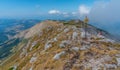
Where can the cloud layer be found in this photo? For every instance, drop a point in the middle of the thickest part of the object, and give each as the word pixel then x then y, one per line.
pixel 106 14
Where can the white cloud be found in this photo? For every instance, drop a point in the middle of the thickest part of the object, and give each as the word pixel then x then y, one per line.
pixel 65 14
pixel 74 13
pixel 54 12
pixel 106 12
pixel 84 10
pixel 107 15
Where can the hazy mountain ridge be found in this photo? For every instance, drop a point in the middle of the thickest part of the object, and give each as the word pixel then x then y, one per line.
pixel 8 29
pixel 11 27
pixel 57 45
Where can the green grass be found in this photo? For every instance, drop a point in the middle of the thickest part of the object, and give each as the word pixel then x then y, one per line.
pixel 11 68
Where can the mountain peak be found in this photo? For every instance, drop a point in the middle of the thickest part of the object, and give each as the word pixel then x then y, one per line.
pixel 61 45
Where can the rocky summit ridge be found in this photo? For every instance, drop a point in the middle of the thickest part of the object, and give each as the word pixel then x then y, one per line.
pixel 61 45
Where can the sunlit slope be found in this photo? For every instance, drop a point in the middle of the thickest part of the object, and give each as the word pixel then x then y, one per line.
pixel 61 45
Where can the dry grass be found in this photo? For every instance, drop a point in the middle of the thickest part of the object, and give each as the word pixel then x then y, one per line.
pixel 45 57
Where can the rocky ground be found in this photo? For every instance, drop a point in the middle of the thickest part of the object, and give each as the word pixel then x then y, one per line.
pixel 55 45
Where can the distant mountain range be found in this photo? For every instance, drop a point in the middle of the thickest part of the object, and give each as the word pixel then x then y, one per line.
pixel 8 29
pixel 11 27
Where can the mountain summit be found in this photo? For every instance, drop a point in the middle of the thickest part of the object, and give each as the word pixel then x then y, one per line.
pixel 61 45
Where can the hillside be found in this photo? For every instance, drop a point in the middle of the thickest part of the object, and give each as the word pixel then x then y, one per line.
pixel 61 45
pixel 8 29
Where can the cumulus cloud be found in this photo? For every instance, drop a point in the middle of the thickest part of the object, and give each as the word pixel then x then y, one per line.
pixel 84 10
pixel 62 13
pixel 54 12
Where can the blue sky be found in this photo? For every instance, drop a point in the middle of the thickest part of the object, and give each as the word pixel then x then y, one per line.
pixel 26 8
pixel 102 13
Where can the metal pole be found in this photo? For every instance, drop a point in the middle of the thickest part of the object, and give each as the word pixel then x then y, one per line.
pixel 85 26
pixel 85 30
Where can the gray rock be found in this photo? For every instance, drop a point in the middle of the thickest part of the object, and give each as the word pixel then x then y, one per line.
pixel 117 55
pixel 118 61
pixel 84 47
pixel 66 30
pixel 55 39
pixel 58 55
pixel 14 67
pixel 64 43
pixel 31 68
pixel 75 49
pixel 33 59
pixel 107 40
pixel 74 36
pixel 33 44
pixel 110 66
pixel 47 45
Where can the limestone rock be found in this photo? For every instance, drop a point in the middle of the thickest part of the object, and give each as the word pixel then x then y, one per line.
pixel 58 55
pixel 75 49
pixel 118 61
pixel 33 59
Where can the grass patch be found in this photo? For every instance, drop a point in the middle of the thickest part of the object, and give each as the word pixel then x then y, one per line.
pixel 12 68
